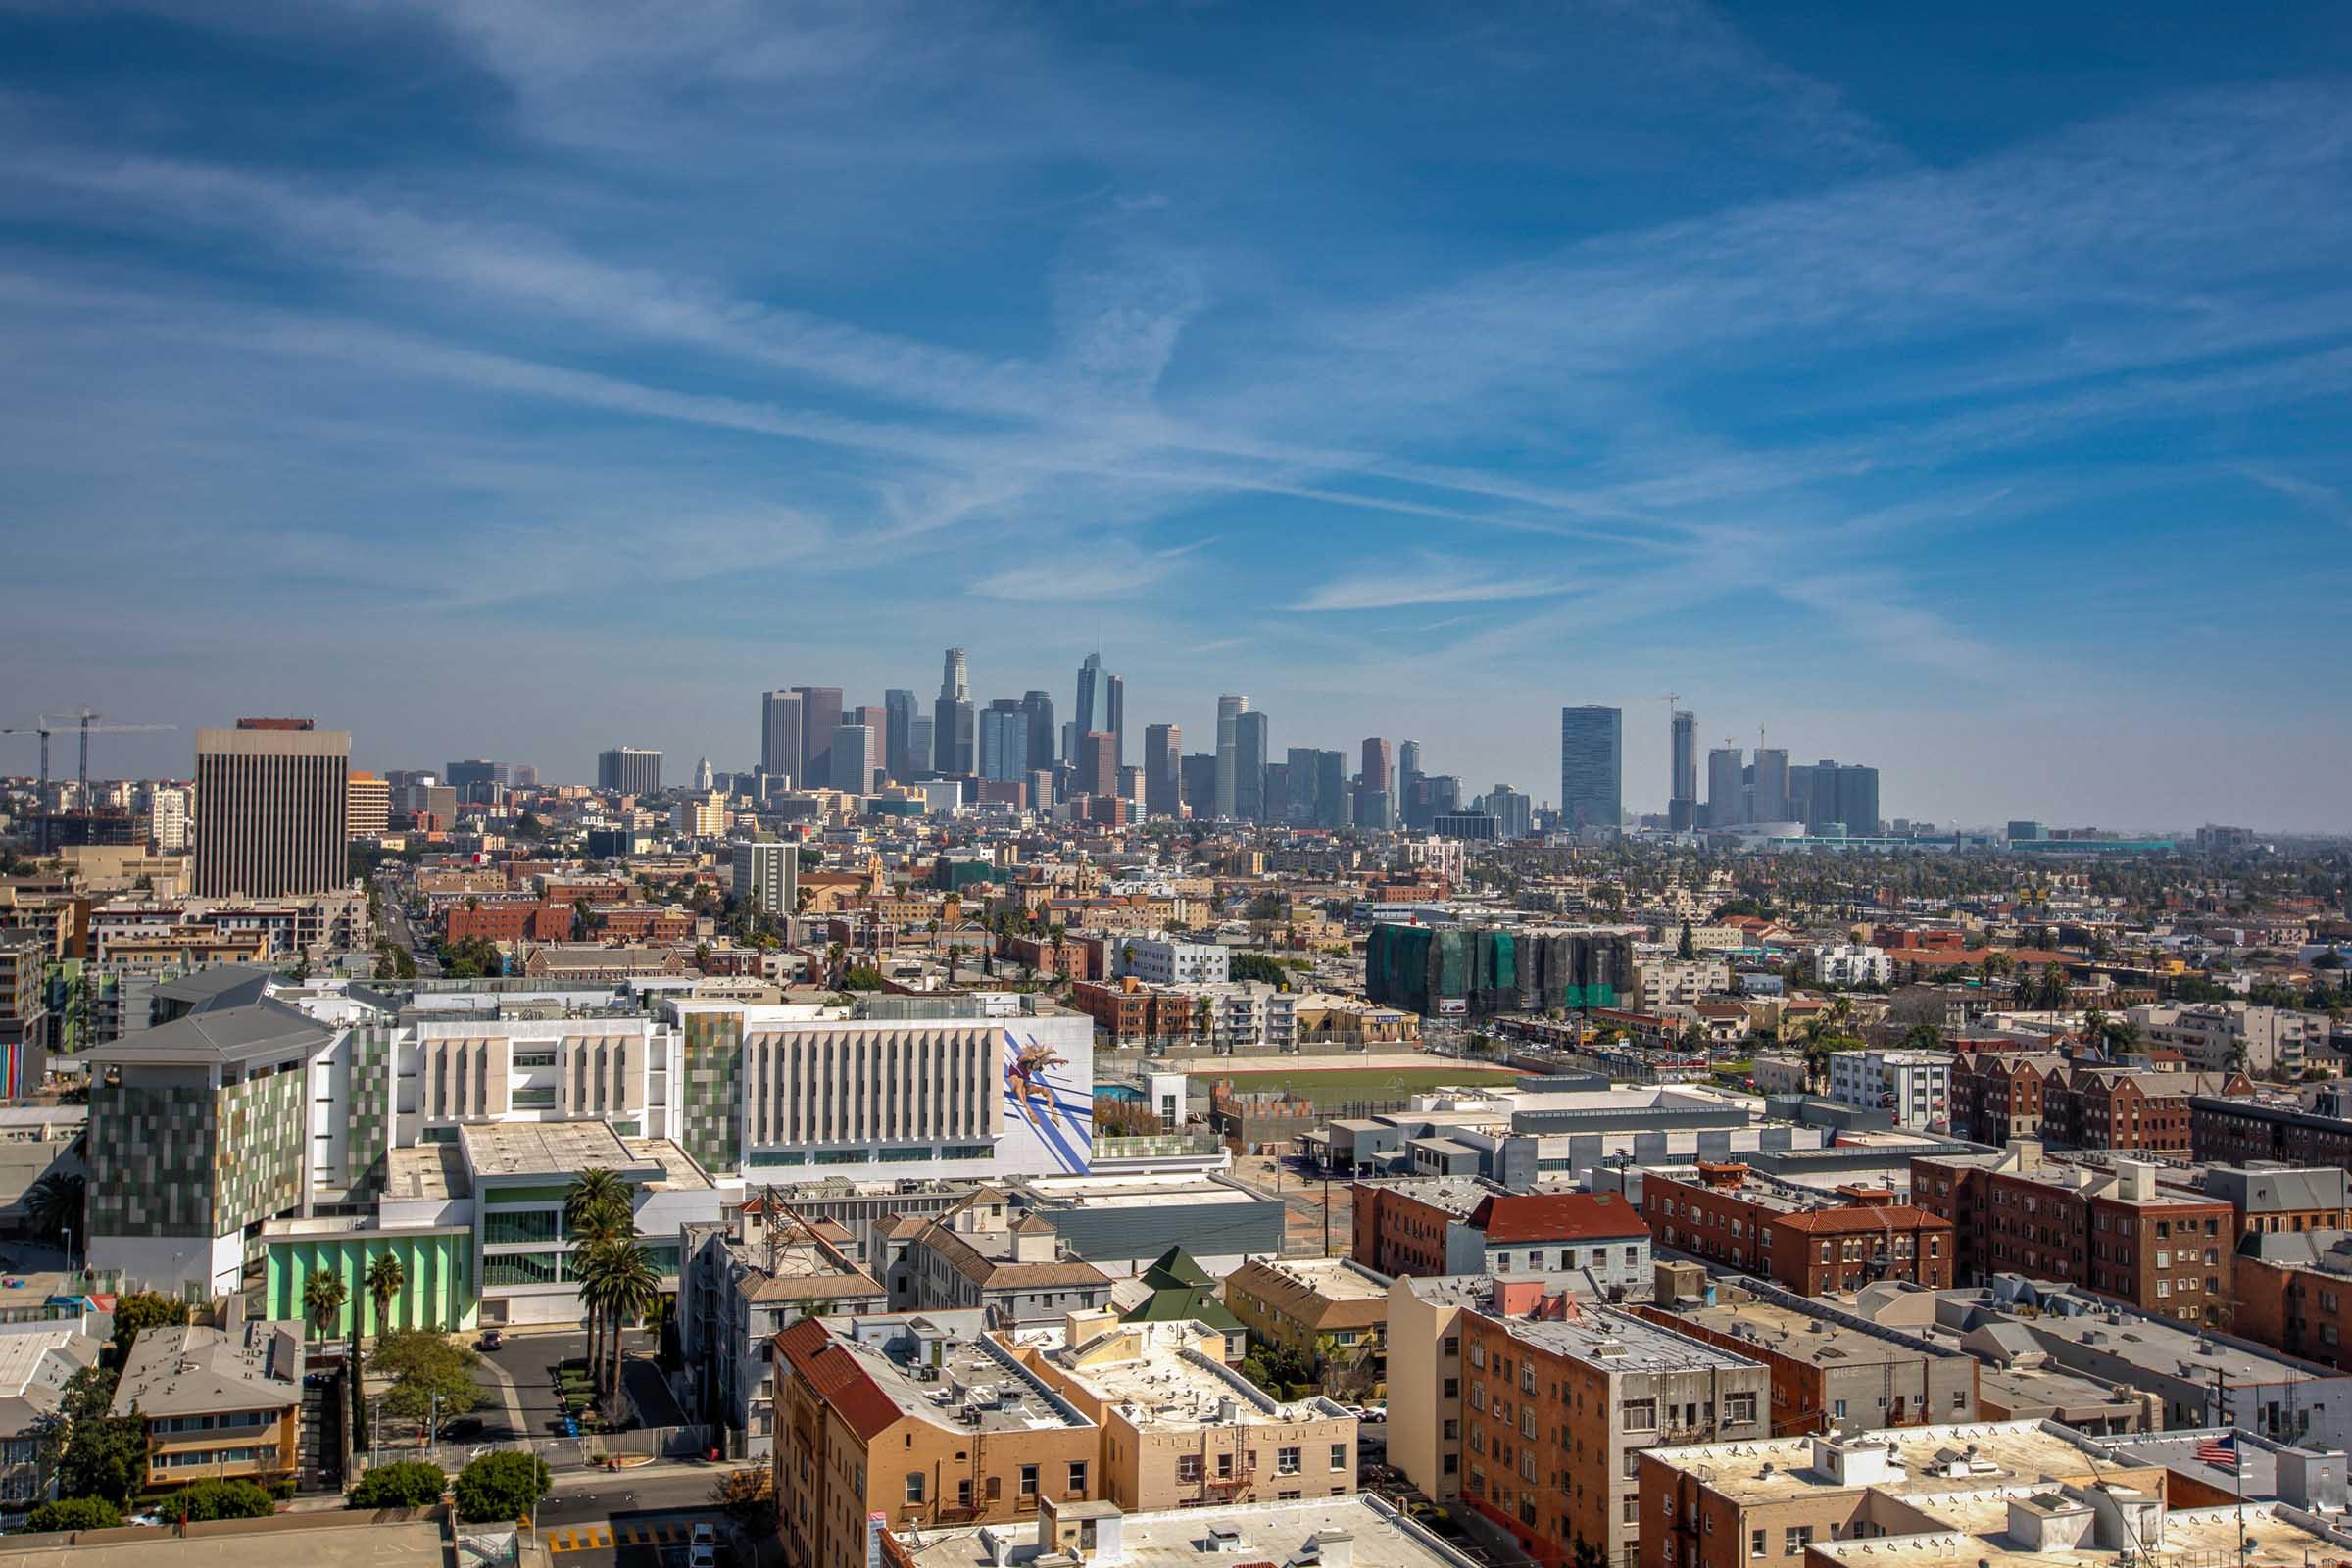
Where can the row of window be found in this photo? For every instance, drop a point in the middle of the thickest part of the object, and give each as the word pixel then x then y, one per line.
pixel 1288 1462
pixel 895 1156
pixel 918 1484
pixel 234 1421
pixel 205 1458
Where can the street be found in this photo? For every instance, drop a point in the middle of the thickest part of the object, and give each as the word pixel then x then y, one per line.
pixel 614 1522
pixel 519 1379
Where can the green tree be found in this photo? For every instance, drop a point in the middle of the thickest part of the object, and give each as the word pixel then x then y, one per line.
pixel 53 1205
pixel 618 1279
pixel 105 1456
pixel 322 1297
pixel 749 1497
pixel 73 1513
pixel 501 1485
pixel 597 1211
pixel 386 1278
pixel 219 1499
pixel 411 1483
pixel 141 1310
pixel 1260 967
pixel 1687 947
pixel 865 977
pixel 432 1380
pixel 1923 1037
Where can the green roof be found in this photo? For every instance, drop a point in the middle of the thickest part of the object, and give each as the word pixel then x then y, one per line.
pixel 1182 1290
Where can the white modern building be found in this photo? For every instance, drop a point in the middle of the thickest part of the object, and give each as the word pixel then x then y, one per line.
pixel 1914 1087
pixel 2213 1034
pixel 1850 964
pixel 766 875
pixel 1163 961
pixel 1667 982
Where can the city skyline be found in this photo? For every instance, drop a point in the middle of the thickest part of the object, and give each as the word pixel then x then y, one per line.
pixel 1809 369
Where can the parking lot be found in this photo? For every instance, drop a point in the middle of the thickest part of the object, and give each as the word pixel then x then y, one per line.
pixel 639 1539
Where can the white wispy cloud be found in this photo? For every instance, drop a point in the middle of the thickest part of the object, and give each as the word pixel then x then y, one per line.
pixel 1426 580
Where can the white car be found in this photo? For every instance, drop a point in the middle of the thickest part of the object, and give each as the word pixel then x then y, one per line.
pixel 701 1554
pixel 706 1533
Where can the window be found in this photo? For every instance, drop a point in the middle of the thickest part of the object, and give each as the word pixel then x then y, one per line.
pixel 1453 1388
pixel 1454 1345
pixel 1028 1481
pixel 1188 1468
pixel 915 1487
pixel 1225 1466
pixel 1502 1262
pixel 1454 1463
pixel 1738 1407
pixel 1756 1542
pixel 1286 1462
pixel 1642 1415
pixel 1453 1428
pixel 1795 1539
pixel 1478 1353
pixel 1339 1456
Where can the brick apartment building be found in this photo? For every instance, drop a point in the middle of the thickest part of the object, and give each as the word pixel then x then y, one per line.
pixel 1130 1012
pixel 2294 1294
pixel 1450 1225
pixel 2236 1131
pixel 1999 1095
pixel 508 920
pixel 2111 1229
pixel 1800 1237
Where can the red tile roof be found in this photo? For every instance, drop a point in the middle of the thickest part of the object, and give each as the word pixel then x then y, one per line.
pixel 834 1376
pixel 1861 1217
pixel 1556 1217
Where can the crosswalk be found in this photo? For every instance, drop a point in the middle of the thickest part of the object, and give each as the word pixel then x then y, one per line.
pixel 601 1538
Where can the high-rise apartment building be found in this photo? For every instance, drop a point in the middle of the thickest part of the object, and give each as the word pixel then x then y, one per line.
pixel 272 801
pixel 820 716
pixel 168 817
pixel 1768 792
pixel 780 735
pixel 1681 805
pixel 368 808
pixel 954 738
pixel 1005 741
pixel 1591 768
pixel 766 876
pixel 1163 769
pixel 1253 746
pixel 629 770
pixel 1230 709
pixel 1833 795
pixel 897 720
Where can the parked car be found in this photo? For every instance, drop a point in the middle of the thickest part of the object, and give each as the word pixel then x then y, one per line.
pixel 702 1555
pixel 491 1340
pixel 706 1533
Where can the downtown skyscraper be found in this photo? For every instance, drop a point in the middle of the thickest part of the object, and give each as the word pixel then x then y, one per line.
pixel 1591 768
pixel 955 739
pixel 1230 709
pixel 780 736
pixel 1681 804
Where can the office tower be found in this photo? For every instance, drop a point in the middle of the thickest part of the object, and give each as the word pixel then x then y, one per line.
pixel 1115 719
pixel 629 769
pixel 1230 709
pixel 476 779
pixel 1005 741
pixel 1276 804
pixel 272 801
pixel 1092 711
pixel 1726 796
pixel 898 727
pixel 1681 775
pixel 1591 768
pixel 1768 798
pixel 1376 779
pixel 1098 765
pixel 1514 813
pixel 955 743
pixel 1858 799
pixel 702 775
pixel 1445 795
pixel 525 776
pixel 1199 772
pixel 1332 805
pixel 850 750
pixel 919 750
pixel 1039 705
pixel 820 716
pixel 1300 760
pixel 1163 769
pixel 366 810
pixel 766 876
pixel 1253 746
pixel 780 736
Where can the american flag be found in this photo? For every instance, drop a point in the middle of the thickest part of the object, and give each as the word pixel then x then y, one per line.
pixel 2220 1452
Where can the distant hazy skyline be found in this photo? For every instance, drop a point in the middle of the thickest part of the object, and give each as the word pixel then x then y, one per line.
pixel 1962 392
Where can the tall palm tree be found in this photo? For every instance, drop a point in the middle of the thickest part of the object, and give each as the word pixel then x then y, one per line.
pixel 596 1213
pixel 322 1298
pixel 386 1278
pixel 620 1278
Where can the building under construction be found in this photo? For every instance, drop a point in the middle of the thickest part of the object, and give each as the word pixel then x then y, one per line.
pixel 1476 971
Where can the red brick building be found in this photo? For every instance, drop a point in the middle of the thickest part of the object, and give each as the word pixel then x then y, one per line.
pixel 1998 1095
pixel 2294 1294
pixel 1129 1010
pixel 1454 1225
pixel 2107 1227
pixel 1809 1241
pixel 508 920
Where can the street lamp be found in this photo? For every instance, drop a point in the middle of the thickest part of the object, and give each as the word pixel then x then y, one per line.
pixel 68 1230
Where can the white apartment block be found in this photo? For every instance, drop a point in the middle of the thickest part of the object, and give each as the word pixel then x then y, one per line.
pixel 1250 1015
pixel 1850 964
pixel 621 1070
pixel 1913 1087
pixel 168 817
pixel 1668 982
pixel 2210 1033
pixel 1161 961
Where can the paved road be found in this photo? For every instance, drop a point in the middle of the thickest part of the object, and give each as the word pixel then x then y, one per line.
pixel 617 1523
pixel 529 1361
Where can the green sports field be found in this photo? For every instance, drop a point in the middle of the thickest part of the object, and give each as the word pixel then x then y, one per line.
pixel 1327 1085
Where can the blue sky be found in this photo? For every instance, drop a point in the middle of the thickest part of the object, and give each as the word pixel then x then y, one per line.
pixel 1965 392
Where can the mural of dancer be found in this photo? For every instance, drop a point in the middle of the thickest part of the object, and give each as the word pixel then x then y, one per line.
pixel 1059 1113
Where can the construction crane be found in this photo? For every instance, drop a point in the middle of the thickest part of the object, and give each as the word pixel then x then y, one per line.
pixel 89 722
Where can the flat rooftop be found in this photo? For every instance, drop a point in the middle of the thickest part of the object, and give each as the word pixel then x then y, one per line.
pixel 1167 1387
pixel 1334 1279
pixel 679 1172
pixel 1134 1191
pixel 425 1173
pixel 543 1147
pixel 375 1545
pixel 971 1378
pixel 1645 1345
pixel 2191 1536
pixel 2007 1453
pixel 2158 1346
pixel 1275 1532
pixel 1799 1336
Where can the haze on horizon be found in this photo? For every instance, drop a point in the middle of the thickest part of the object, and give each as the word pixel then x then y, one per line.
pixel 1964 394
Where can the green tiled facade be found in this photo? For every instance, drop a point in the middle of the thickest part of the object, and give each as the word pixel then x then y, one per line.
pixel 371 1112
pixel 440 1291
pixel 265 1126
pixel 712 1093
pixel 151 1161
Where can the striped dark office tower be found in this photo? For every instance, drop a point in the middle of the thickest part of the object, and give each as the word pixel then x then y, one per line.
pixel 270 802
pixel 1163 769
pixel 780 736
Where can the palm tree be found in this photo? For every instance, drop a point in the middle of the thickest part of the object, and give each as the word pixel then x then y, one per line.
pixel 54 1204
pixel 322 1298
pixel 386 1278
pixel 619 1281
pixel 596 1212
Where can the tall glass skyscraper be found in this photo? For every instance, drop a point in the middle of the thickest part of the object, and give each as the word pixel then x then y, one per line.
pixel 1230 709
pixel 1593 767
